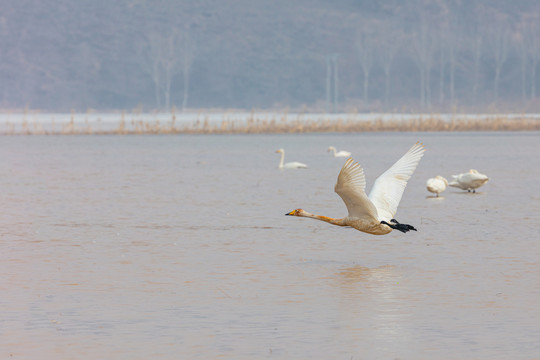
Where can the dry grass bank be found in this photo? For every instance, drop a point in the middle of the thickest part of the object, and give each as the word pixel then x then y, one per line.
pixel 256 124
pixel 347 125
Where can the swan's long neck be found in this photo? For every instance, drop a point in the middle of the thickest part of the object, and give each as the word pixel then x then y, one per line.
pixel 282 159
pixel 339 222
pixel 334 150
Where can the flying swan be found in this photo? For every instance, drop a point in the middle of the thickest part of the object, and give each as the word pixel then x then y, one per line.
pixel 341 153
pixel 373 214
pixel 437 185
pixel 289 165
pixel 469 181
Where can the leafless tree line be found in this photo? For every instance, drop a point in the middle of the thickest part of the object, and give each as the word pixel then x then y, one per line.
pixel 457 61
pixel 443 46
pixel 164 55
pixel 391 55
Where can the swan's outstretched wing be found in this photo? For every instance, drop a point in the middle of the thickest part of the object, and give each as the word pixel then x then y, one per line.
pixel 350 186
pixel 388 188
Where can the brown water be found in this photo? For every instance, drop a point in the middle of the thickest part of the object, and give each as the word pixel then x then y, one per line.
pixel 177 247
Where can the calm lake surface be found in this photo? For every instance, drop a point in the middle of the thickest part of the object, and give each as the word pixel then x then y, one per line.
pixel 177 247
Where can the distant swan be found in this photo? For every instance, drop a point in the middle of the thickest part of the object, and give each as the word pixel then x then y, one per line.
pixel 341 153
pixel 437 184
pixel 469 181
pixel 373 214
pixel 289 165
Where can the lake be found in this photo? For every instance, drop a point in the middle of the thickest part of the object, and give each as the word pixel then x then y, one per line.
pixel 177 247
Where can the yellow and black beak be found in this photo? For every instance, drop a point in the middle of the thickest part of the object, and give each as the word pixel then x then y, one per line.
pixel 290 213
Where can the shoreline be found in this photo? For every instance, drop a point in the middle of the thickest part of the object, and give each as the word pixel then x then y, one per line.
pixel 258 123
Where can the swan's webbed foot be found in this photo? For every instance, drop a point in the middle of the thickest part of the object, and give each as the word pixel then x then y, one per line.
pixel 399 226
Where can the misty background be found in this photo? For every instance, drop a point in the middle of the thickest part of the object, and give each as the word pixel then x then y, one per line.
pixel 309 55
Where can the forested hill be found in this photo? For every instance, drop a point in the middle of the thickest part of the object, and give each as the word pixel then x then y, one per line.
pixel 340 55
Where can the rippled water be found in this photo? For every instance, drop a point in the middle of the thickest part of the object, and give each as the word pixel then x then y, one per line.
pixel 177 247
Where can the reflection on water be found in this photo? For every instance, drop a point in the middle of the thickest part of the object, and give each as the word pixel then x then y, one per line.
pixel 359 273
pixel 177 247
pixel 433 197
pixel 372 298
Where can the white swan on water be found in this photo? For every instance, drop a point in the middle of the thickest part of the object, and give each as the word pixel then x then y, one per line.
pixel 289 165
pixel 469 181
pixel 437 184
pixel 341 153
pixel 373 214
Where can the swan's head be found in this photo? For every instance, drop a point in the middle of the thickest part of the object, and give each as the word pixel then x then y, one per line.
pixel 297 212
pixel 280 151
pixel 330 148
pixel 473 171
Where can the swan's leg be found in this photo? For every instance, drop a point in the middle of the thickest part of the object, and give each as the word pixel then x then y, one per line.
pixel 409 227
pixel 399 226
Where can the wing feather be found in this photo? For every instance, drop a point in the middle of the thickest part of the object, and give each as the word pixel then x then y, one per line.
pixel 350 186
pixel 388 188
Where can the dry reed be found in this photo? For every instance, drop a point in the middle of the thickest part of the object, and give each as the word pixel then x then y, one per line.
pixel 281 124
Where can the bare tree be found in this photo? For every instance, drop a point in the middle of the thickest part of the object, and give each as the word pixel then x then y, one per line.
pixel 187 55
pixel 519 38
pixel 332 79
pixel 534 52
pixel 424 45
pixel 448 41
pixel 149 53
pixel 454 40
pixel 328 82
pixel 499 39
pixel 88 65
pixel 475 45
pixel 531 42
pixel 443 60
pixel 364 47
pixel 388 44
pixel 164 56
pixel 169 64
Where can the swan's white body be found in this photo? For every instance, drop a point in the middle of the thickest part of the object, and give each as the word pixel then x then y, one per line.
pixel 437 184
pixel 289 165
pixel 469 181
pixel 373 214
pixel 341 153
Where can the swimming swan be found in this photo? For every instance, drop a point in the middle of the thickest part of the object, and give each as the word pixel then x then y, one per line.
pixel 469 181
pixel 437 184
pixel 289 165
pixel 373 214
pixel 341 153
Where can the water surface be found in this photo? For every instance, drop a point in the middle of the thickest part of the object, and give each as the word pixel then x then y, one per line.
pixel 177 247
